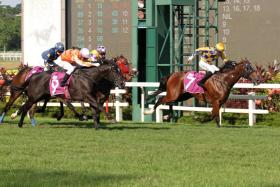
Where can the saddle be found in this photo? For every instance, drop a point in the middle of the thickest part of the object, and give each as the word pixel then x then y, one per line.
pixel 191 80
pixel 54 85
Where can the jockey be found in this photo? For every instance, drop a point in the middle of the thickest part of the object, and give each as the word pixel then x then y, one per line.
pixel 96 54
pixel 207 56
pixel 102 51
pixel 52 54
pixel 70 58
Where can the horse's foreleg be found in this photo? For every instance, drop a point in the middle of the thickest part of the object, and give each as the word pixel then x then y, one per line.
pixel 170 115
pixel 13 97
pixel 96 109
pixel 215 112
pixel 61 113
pixel 43 108
pixel 24 108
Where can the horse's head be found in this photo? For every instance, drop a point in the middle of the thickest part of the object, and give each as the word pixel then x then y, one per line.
pixel 126 68
pixel 113 73
pixel 248 72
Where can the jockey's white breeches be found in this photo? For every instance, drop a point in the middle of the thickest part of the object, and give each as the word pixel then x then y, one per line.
pixel 65 65
pixel 208 67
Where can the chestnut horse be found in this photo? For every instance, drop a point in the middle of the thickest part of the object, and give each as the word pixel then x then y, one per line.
pixel 217 91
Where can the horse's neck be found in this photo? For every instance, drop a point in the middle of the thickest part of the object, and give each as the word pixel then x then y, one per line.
pixel 231 77
pixel 94 73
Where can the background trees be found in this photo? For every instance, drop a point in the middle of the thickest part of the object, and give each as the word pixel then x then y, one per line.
pixel 10 28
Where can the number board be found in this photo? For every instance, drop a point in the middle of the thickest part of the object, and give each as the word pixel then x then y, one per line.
pixel 250 28
pixel 100 22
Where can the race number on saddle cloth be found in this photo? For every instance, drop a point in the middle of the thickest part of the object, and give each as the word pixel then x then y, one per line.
pixel 190 82
pixel 34 70
pixel 54 85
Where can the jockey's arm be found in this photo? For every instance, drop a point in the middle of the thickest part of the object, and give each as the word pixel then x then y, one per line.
pixel 198 51
pixel 223 56
pixel 82 63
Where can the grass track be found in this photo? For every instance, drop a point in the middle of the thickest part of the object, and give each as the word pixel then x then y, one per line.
pixel 68 153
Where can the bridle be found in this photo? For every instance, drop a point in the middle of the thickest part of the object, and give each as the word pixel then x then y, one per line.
pixel 248 69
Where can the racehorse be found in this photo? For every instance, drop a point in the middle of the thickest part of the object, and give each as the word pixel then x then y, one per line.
pixel 103 88
pixel 82 87
pixel 217 87
pixel 5 80
pixel 19 79
pixel 16 88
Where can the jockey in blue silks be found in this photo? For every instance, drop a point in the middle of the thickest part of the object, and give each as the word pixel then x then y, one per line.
pixel 52 54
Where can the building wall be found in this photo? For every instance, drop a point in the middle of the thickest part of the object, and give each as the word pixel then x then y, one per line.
pixel 42 27
pixel 251 28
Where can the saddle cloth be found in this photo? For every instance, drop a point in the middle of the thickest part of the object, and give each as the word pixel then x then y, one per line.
pixel 34 70
pixel 55 88
pixel 190 82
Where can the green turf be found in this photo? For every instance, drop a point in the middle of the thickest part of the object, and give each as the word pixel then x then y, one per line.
pixel 68 153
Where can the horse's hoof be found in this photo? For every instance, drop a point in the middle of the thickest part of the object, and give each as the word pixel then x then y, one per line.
pixel 85 118
pixel 59 118
pixel 20 126
pixel 14 115
pixel 81 118
pixel 33 122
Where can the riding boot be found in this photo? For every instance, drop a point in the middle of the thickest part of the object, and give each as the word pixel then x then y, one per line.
pixel 64 81
pixel 203 80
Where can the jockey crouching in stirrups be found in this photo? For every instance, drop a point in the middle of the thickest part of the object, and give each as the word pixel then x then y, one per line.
pixel 207 56
pixel 71 57
pixel 50 55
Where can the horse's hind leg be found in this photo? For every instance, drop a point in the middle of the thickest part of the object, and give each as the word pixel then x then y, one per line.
pixel 31 114
pixel 84 111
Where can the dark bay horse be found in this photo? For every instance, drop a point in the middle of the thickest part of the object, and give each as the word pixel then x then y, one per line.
pixel 217 91
pixel 18 85
pixel 82 88
pixel 103 87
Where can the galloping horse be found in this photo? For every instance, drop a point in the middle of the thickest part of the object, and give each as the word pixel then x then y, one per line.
pixel 103 88
pixel 217 91
pixel 82 87
pixel 18 82
pixel 16 88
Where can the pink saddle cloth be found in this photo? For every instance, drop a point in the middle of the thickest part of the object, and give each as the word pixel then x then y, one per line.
pixel 55 88
pixel 190 82
pixel 34 70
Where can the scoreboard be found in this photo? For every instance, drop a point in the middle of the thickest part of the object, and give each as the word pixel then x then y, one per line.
pixel 100 22
pixel 251 28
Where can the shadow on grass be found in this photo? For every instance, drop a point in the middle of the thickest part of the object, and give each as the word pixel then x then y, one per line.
pixel 24 177
pixel 89 125
pixel 104 126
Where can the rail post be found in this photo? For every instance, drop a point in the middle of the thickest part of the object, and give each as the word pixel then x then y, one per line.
pixel 252 107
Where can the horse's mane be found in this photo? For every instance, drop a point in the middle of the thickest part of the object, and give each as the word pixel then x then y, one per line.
pixel 229 65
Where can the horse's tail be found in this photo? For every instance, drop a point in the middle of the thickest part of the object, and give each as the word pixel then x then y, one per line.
pixel 162 86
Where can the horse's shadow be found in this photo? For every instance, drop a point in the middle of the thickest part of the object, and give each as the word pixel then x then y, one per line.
pixel 105 126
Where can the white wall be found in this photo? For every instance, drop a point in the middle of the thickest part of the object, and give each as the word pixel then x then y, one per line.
pixel 41 28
